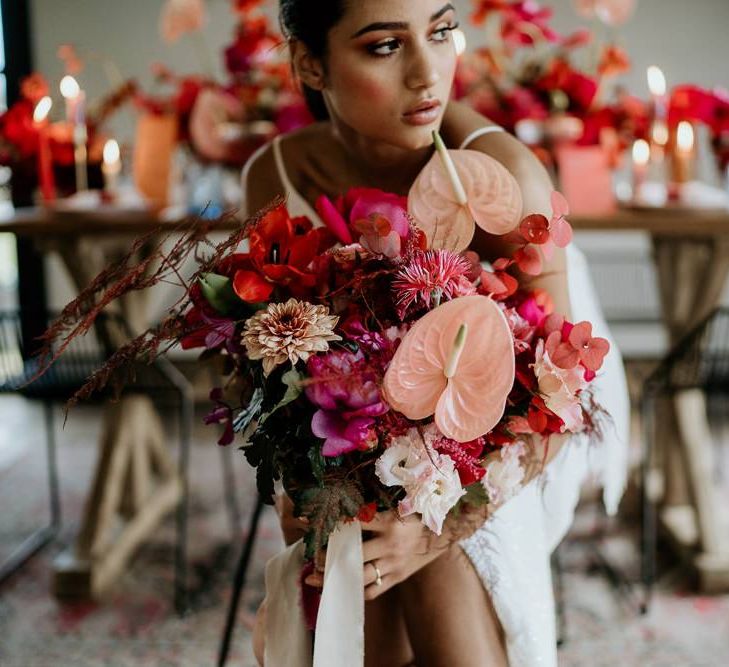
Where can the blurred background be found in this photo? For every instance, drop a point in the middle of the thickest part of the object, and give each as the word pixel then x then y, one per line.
pixel 118 117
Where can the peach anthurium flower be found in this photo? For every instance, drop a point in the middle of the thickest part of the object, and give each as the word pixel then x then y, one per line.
pixel 456 362
pixel 179 17
pixel 459 189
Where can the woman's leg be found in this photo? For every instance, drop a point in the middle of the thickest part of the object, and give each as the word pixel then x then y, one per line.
pixel 449 615
pixel 386 636
pixel 259 633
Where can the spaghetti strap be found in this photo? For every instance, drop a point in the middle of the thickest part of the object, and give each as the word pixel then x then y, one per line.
pixel 296 203
pixel 488 129
pixel 278 157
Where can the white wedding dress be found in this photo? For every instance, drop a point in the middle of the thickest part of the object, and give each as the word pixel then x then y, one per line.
pixel 511 551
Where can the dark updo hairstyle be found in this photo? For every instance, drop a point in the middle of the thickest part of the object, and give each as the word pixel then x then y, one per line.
pixel 310 21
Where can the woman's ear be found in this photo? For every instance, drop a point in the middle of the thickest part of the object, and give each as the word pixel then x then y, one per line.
pixel 308 68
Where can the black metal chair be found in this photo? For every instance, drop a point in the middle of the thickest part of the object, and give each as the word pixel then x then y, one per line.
pixel 85 354
pixel 699 361
pixel 239 581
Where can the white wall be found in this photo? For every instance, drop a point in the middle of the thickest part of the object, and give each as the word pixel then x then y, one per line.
pixel 687 38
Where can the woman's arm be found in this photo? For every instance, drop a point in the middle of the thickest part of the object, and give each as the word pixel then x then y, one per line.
pixel 536 189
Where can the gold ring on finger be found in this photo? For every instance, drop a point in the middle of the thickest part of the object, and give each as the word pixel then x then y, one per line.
pixel 378 581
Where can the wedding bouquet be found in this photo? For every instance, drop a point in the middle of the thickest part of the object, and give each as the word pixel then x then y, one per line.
pixel 374 363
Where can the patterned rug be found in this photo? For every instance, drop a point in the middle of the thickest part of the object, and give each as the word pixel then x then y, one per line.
pixel 135 625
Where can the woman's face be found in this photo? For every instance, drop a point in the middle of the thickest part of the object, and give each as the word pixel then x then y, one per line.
pixel 390 68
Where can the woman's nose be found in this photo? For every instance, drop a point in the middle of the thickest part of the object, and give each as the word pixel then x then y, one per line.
pixel 422 71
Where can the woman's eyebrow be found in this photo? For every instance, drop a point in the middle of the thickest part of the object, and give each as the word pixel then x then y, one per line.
pixel 399 25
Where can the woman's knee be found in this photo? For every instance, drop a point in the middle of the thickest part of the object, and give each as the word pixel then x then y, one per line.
pixel 259 634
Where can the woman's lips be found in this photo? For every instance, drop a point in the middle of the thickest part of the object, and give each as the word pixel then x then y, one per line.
pixel 424 114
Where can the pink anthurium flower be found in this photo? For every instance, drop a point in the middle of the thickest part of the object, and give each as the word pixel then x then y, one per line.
pixel 459 189
pixel 456 362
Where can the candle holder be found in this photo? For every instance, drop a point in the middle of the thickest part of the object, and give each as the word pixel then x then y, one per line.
pixel 683 158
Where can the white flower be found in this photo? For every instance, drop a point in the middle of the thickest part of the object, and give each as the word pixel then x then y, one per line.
pixel 503 479
pixel 430 479
pixel 560 387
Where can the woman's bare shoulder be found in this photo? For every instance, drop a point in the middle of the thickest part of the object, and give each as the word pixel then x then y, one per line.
pixel 461 120
pixel 260 179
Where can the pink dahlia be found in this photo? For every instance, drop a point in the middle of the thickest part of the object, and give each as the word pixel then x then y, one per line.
pixel 431 276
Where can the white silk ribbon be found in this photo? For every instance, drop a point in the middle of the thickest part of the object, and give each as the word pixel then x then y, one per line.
pixel 339 638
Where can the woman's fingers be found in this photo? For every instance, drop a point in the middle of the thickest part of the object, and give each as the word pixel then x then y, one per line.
pixel 374 548
pixel 382 522
pixel 373 590
pixel 315 579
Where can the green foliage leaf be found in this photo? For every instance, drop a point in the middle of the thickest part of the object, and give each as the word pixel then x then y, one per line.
pixel 326 506
pixel 218 292
pixel 261 454
pixel 292 379
pixel 476 495
pixel 318 463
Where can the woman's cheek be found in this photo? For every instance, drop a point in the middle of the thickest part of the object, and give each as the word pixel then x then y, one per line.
pixel 361 88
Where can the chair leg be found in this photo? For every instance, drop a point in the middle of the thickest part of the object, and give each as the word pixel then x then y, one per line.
pixel 43 536
pixel 231 498
pixel 239 582
pixel 186 425
pixel 648 510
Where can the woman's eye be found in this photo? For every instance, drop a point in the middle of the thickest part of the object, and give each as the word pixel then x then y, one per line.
pixel 441 34
pixel 384 48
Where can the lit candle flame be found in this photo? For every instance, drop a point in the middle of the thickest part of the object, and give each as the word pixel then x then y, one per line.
pixel 656 81
pixel 641 152
pixel 685 137
pixel 69 87
pixel 42 109
pixel 111 152
pixel 660 133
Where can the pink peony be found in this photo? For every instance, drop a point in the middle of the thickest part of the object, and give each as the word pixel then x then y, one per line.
pixel 377 220
pixel 348 398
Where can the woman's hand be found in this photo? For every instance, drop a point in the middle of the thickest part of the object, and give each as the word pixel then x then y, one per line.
pixel 397 549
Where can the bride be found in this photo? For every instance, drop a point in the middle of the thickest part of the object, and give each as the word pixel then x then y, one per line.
pixel 378 77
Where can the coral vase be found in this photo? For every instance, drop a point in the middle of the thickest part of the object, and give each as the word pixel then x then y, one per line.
pixel 154 147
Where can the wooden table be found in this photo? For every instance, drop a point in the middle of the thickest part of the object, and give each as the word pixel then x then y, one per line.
pixel 136 483
pixel 691 254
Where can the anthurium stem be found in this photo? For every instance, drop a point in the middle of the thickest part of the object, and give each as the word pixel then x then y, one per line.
pixel 458 189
